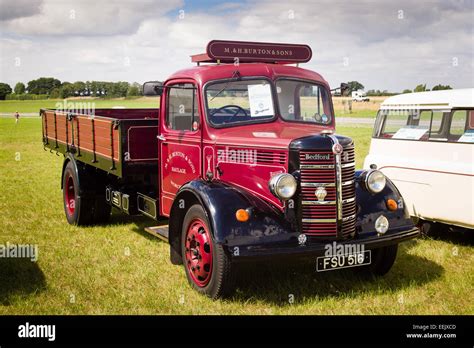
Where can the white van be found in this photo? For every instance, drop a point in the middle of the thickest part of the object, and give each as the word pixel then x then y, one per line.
pixel 424 142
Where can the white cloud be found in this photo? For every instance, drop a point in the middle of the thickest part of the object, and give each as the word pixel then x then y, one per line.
pixel 142 40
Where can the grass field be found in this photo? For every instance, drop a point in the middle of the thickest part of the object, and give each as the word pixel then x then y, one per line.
pixel 119 269
pixel 360 109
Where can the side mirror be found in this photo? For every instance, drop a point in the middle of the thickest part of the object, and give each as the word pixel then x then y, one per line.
pixel 152 88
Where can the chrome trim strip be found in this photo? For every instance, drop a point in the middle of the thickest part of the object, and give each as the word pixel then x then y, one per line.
pixel 319 220
pixel 318 202
pixel 347 165
pixel 347 183
pixel 348 200
pixel 316 166
pixel 338 178
pixel 350 217
pixel 315 184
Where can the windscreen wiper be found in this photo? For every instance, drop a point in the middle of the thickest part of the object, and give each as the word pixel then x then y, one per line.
pixel 235 75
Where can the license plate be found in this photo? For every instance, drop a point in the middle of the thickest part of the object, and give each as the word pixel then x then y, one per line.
pixel 329 263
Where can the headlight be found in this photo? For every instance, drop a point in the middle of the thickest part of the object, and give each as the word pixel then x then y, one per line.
pixel 283 186
pixel 375 181
pixel 381 224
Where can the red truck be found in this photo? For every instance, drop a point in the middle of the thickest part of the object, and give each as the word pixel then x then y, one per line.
pixel 243 159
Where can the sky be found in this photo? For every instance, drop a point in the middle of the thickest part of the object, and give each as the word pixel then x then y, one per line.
pixel 386 45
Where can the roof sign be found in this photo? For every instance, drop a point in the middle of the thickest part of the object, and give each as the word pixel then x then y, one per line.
pixel 242 51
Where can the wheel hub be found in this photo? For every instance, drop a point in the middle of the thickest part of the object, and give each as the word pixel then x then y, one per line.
pixel 199 252
pixel 70 193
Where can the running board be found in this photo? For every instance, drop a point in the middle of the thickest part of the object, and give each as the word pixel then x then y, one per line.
pixel 159 231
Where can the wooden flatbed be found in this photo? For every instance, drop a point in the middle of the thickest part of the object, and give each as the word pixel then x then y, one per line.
pixel 114 140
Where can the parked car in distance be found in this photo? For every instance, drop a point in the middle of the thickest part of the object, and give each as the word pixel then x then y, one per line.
pixel 359 96
pixel 425 143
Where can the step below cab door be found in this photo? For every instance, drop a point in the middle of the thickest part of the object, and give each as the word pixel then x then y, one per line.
pixel 179 141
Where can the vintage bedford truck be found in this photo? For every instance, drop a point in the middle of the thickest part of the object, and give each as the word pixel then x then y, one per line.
pixel 243 159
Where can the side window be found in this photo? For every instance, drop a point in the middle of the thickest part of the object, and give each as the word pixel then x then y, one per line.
pixel 437 126
pixel 392 121
pixel 458 123
pixel 182 107
pixel 413 124
pixel 461 128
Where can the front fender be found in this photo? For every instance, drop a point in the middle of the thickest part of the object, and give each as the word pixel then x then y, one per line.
pixel 221 201
pixel 370 206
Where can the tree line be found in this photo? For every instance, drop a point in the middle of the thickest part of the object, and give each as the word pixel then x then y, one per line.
pixel 49 87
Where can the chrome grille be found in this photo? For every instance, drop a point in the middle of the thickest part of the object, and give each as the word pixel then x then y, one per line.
pixel 317 168
pixel 348 192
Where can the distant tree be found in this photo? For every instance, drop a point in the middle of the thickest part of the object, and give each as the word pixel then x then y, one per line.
pixel 4 90
pixel 79 88
pixel 134 90
pixel 66 90
pixel 407 91
pixel 43 85
pixel 441 87
pixel 420 88
pixel 20 88
pixel 55 93
pixel 355 85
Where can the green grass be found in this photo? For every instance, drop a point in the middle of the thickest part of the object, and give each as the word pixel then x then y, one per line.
pixel 93 266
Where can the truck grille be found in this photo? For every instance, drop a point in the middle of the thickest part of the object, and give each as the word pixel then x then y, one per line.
pixel 320 218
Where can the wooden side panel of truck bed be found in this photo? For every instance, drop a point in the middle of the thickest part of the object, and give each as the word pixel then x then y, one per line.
pixel 104 142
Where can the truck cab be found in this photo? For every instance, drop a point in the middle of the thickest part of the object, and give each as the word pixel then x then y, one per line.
pixel 245 163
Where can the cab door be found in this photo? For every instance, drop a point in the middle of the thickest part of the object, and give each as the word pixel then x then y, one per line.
pixel 179 141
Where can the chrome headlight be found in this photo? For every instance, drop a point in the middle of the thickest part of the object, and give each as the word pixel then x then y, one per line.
pixel 381 224
pixel 375 181
pixel 283 186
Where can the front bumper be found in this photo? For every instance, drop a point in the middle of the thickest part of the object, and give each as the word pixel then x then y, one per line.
pixel 315 249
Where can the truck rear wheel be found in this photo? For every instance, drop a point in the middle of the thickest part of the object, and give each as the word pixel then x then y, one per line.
pixel 84 198
pixel 382 260
pixel 207 265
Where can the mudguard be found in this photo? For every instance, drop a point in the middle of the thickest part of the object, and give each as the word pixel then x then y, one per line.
pixel 370 206
pixel 221 200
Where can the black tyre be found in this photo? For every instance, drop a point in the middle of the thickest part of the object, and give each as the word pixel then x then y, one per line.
pixel 208 267
pixel 84 197
pixel 382 260
pixel 78 204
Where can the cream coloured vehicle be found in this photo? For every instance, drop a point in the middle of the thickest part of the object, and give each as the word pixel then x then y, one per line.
pixel 424 142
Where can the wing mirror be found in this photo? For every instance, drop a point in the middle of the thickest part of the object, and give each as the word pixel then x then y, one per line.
pixel 152 88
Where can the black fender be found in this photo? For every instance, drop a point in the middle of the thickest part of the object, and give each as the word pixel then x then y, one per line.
pixel 370 206
pixel 267 224
pixel 67 159
pixel 87 176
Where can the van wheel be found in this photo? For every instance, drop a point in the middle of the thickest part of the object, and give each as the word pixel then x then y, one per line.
pixel 208 267
pixel 382 260
pixel 78 204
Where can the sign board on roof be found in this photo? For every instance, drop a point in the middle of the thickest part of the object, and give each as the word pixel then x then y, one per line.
pixel 229 51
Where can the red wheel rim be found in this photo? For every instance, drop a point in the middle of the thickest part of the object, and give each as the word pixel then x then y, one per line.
pixel 70 195
pixel 199 252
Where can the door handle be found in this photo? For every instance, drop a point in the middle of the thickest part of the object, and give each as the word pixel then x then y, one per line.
pixel 161 137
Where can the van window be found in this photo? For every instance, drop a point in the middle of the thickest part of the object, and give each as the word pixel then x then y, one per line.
pixel 412 124
pixel 182 107
pixel 404 124
pixel 462 126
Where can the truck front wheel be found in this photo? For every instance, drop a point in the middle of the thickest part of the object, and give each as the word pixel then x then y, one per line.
pixel 207 265
pixel 382 260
